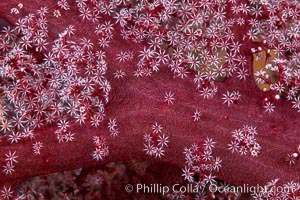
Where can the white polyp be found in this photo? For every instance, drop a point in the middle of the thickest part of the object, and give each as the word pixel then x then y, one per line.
pixel 295 155
pixel 268 66
pixel 20 5
pixel 82 109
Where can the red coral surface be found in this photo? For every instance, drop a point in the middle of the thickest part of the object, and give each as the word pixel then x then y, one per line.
pixel 137 103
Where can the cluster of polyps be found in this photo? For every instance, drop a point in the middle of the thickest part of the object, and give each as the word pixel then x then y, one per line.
pixel 59 87
pixel 273 190
pixel 279 32
pixel 181 35
pixel 10 160
pixel 63 133
pixel 101 149
pixel 200 163
pixel 231 97
pixel 37 146
pixel 112 127
pixel 156 142
pixel 244 141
